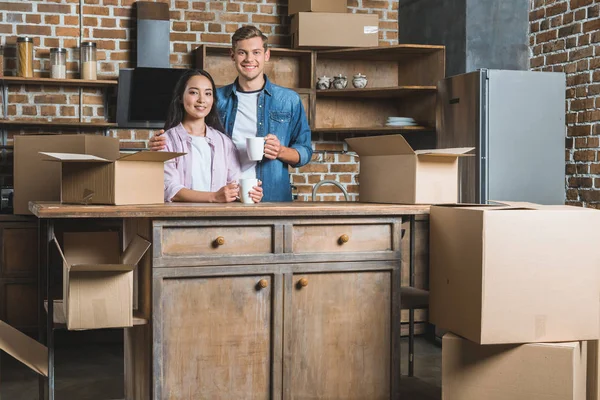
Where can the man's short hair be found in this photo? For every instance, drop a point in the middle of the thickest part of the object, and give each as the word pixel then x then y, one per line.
pixel 248 32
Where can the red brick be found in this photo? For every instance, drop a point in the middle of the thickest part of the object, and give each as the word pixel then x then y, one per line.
pixel 55 8
pixel 199 16
pixel 579 130
pixel 13 6
pixel 109 34
pixel 580 3
pixel 592 25
pixel 38 30
pixel 95 10
pixel 72 32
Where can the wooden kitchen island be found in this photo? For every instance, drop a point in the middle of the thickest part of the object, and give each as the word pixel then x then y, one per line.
pixel 268 301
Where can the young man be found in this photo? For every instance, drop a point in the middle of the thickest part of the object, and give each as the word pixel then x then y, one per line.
pixel 252 106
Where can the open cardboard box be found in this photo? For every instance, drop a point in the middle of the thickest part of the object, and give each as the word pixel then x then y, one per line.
pixel 98 279
pixel 37 180
pixel 538 371
pixel 129 179
pixel 392 172
pixel 503 274
pixel 28 351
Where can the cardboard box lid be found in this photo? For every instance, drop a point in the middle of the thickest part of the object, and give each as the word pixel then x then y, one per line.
pixel 28 351
pixel 151 156
pixel 391 145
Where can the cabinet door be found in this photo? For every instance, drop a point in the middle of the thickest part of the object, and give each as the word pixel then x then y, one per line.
pixel 341 336
pixel 214 338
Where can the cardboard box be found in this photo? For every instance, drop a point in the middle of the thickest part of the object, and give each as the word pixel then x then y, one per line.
pixel 28 351
pixel 392 172
pixel 98 279
pixel 513 274
pixel 37 180
pixel 129 179
pixel 541 371
pixel 324 30
pixel 331 6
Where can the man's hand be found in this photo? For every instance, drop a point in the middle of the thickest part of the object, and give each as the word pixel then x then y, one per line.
pixel 256 194
pixel 158 141
pixel 227 193
pixel 272 147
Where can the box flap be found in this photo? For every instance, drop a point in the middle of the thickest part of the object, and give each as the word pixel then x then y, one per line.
pixel 135 251
pixel 101 268
pixel 72 157
pixel 30 352
pixel 387 145
pixel 155 156
pixel 453 152
pixel 62 255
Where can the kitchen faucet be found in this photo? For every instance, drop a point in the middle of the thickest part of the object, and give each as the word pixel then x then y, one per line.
pixel 336 183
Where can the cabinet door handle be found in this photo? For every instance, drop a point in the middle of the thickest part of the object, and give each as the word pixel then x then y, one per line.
pixel 263 283
pixel 303 282
pixel 343 239
pixel 220 241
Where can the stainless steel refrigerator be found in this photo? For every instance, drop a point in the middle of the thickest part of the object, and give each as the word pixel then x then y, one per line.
pixel 516 122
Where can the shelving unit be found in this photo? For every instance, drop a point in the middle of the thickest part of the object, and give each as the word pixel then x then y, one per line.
pixel 7 81
pixel 401 82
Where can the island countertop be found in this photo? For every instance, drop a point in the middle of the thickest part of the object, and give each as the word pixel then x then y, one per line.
pixel 187 210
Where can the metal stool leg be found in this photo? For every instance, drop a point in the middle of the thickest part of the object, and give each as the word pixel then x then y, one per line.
pixel 411 320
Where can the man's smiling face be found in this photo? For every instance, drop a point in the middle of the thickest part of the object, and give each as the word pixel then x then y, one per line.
pixel 250 57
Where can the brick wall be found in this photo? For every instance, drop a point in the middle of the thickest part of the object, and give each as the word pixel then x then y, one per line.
pixel 111 24
pixel 565 36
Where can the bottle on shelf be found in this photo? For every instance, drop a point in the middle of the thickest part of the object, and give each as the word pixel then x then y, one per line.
pixel 88 61
pixel 25 57
pixel 58 63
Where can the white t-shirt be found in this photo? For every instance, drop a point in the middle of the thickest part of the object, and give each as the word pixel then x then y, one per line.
pixel 201 164
pixel 245 127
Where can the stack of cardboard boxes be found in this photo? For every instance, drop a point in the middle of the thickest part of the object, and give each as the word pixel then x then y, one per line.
pixel 517 285
pixel 326 23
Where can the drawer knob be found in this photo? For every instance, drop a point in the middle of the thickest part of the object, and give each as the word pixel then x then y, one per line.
pixel 220 241
pixel 263 283
pixel 343 239
pixel 303 282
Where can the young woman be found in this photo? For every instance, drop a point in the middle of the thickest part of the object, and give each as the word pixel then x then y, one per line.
pixel 209 170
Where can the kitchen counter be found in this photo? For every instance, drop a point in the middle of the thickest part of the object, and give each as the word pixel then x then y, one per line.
pixel 186 210
pixel 266 301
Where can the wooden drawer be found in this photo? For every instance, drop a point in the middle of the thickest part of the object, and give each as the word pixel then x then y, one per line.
pixel 217 240
pixel 342 238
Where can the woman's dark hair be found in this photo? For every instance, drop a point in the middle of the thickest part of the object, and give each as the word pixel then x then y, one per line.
pixel 176 110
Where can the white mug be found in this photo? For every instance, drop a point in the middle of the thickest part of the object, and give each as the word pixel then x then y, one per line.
pixel 255 147
pixel 246 185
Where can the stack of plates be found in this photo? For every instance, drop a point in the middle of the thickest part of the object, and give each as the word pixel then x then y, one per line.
pixel 401 121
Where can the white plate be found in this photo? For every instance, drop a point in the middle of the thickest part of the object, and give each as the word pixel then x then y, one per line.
pixel 401 124
pixel 398 119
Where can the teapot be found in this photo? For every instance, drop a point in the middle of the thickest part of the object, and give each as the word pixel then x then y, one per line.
pixel 359 81
pixel 324 82
pixel 340 82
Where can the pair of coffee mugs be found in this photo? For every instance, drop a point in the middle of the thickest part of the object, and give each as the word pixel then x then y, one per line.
pixel 255 148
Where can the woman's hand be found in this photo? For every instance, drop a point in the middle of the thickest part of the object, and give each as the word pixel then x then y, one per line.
pixel 256 194
pixel 158 141
pixel 227 193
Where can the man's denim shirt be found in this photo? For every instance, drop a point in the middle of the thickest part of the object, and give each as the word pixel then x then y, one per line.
pixel 281 113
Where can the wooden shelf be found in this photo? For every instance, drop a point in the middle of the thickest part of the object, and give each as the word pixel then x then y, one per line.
pixel 60 320
pixel 379 93
pixel 380 53
pixel 375 129
pixel 17 80
pixel 56 124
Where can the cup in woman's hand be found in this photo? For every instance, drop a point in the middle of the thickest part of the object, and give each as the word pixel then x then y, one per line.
pixel 255 147
pixel 246 185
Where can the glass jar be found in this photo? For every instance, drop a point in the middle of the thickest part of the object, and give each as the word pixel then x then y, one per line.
pixel 58 63
pixel 25 57
pixel 88 60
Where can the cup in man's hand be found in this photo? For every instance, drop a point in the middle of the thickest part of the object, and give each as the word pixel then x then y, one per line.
pixel 255 147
